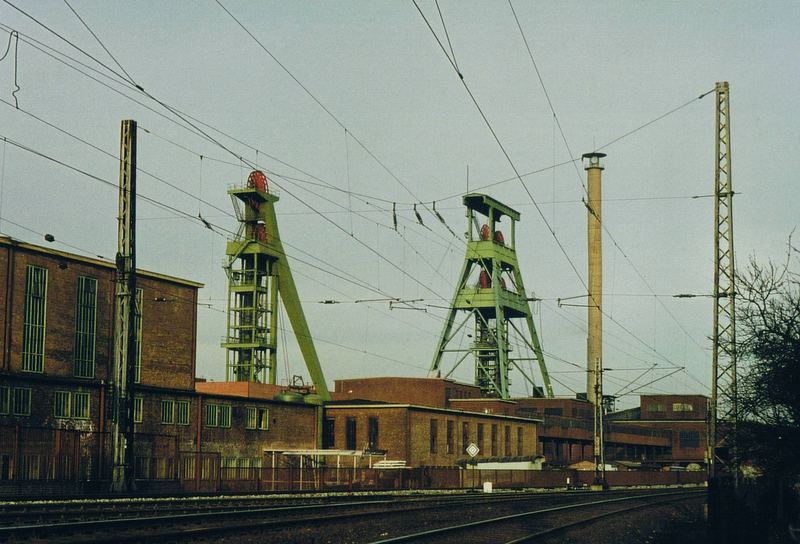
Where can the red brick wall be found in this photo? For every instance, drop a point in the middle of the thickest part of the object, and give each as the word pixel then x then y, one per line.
pixel 405 432
pixel 432 392
pixel 664 407
pixel 168 322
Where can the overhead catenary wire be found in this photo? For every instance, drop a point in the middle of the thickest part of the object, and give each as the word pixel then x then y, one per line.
pixel 519 178
pixel 348 193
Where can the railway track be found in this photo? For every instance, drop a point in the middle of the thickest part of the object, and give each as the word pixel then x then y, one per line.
pixel 364 519
pixel 539 524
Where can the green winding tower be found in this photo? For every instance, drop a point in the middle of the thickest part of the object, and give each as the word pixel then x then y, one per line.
pixel 258 274
pixel 491 293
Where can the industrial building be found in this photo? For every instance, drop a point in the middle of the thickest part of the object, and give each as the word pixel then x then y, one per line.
pixel 57 319
pixel 248 433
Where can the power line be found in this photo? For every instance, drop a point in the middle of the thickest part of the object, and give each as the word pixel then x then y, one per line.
pixel 580 178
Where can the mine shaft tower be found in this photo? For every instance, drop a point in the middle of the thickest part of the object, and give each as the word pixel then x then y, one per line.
pixel 258 275
pixel 491 293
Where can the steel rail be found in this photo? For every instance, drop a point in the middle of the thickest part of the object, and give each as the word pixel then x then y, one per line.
pixel 390 506
pixel 512 517
pixel 586 521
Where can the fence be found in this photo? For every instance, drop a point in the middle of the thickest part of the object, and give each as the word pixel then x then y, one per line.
pixel 40 461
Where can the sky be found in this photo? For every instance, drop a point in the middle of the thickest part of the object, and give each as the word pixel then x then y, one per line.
pixel 353 108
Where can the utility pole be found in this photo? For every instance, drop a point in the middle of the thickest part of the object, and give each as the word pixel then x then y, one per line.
pixel 124 365
pixel 723 455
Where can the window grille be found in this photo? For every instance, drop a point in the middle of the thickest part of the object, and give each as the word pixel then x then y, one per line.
pixel 22 401
pixel 34 320
pixel 61 404
pixel 182 412
pixel 167 412
pixel 80 405
pixel 85 327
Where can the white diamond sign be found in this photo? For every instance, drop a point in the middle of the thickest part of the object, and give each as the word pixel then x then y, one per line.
pixel 473 450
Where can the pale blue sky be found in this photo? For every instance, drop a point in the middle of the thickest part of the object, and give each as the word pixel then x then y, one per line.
pixel 609 67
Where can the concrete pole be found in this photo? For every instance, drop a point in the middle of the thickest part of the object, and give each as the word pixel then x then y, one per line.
pixel 594 342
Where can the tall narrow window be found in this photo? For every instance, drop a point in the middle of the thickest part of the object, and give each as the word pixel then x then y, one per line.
pixel 22 401
pixel 138 412
pixel 329 433
pixel 494 439
pixel 464 437
pixel 519 441
pixel 350 433
pixel 372 429
pixel 182 412
pixel 450 437
pixel 507 441
pixel 61 404
pixel 137 324
pixel 224 415
pixel 34 323
pixel 167 412
pixel 480 438
pixel 85 321
pixel 5 400
pixel 434 436
pixel 212 415
pixel 80 405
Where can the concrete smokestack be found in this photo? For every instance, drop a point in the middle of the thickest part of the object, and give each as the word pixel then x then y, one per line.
pixel 594 342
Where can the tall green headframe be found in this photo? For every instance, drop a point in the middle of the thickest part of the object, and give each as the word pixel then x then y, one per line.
pixel 258 276
pixel 491 296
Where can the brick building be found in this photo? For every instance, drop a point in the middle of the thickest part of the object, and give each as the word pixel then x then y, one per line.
pixel 663 431
pixel 56 349
pixel 424 435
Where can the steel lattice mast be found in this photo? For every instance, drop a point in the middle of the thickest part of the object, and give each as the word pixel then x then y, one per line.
pixel 258 274
pixel 491 292
pixel 724 407
pixel 123 371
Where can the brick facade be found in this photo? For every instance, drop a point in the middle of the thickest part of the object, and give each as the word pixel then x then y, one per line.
pixel 173 436
pixel 425 436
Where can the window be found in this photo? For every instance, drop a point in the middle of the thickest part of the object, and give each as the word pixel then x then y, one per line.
pixel 137 325
pixel 22 401
pixel 682 407
pixel 464 437
pixel 34 319
pixel 507 441
pixel 480 437
pixel 167 412
pixel 61 404
pixel 434 436
pixel 85 321
pixel 80 405
pixel 138 403
pixel 519 441
pixel 450 438
pixel 257 418
pixel 212 415
pixel 372 433
pixel 329 433
pixel 187 468
pixel 494 439
pixel 350 433
pixel 689 439
pixel 224 415
pixel 554 411
pixel 5 399
pixel 655 407
pixel 218 415
pixel 182 412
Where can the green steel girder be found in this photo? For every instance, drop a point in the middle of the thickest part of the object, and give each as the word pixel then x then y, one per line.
pixel 254 290
pixel 493 305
